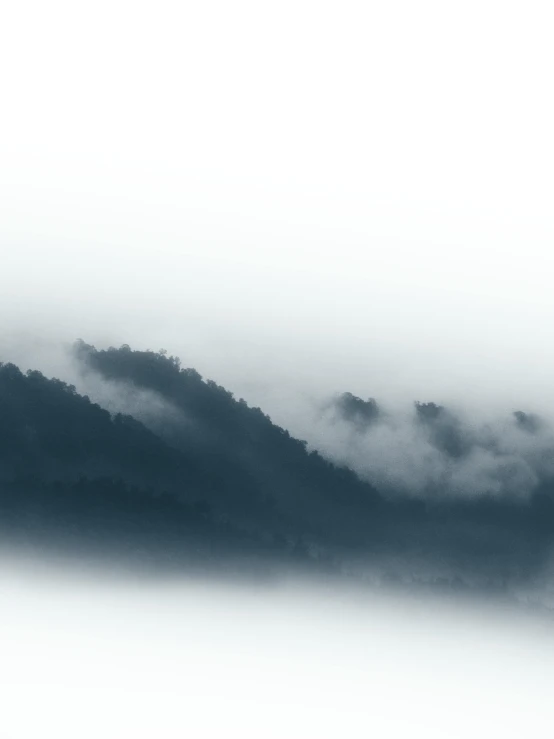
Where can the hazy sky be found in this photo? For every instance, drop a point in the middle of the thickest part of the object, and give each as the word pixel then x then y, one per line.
pixel 358 194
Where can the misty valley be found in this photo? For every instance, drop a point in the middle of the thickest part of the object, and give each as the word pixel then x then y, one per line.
pixel 147 465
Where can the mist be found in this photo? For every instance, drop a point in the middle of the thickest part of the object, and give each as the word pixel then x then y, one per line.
pixel 294 658
pixel 457 452
pixel 313 205
pixel 334 201
pixel 470 451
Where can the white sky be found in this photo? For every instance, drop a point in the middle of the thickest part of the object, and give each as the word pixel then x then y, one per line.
pixel 357 195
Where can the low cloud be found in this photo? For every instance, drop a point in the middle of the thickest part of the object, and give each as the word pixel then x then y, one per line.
pixel 427 450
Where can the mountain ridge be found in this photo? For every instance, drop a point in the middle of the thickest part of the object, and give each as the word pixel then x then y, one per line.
pixel 219 472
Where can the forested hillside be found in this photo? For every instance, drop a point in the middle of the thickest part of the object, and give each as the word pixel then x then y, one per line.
pixel 215 477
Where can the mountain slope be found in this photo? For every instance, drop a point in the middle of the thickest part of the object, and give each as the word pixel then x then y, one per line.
pixel 254 457
pixel 213 475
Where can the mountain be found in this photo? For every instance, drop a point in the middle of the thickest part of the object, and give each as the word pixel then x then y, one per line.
pixel 72 475
pixel 252 459
pixel 201 477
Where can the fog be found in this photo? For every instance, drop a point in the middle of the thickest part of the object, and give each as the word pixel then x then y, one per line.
pixel 353 198
pixel 457 454
pixel 90 655
pixel 298 200
pixel 470 450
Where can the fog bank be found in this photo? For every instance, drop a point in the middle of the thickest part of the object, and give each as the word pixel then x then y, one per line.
pixel 294 660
